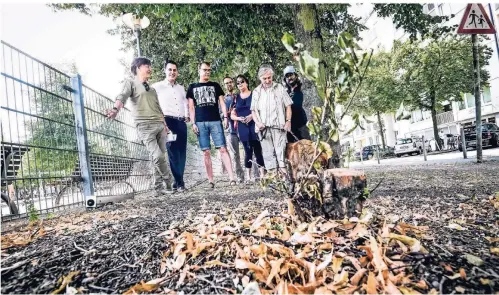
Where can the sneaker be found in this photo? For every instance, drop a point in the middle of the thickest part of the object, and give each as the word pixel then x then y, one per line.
pixel 181 189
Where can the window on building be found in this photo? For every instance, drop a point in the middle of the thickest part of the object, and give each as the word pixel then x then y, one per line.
pixel 486 97
pixel 430 7
pixel 461 104
pixel 448 108
pixel 470 100
pixel 441 9
pixel 497 6
pixel 492 120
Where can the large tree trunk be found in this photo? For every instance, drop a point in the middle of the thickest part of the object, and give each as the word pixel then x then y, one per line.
pixel 381 133
pixel 438 141
pixel 307 31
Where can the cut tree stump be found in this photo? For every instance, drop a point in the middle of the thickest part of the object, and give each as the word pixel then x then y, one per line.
pixel 342 191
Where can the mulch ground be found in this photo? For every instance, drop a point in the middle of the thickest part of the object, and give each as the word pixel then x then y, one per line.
pixel 425 229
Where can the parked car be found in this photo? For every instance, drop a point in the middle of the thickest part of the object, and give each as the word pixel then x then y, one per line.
pixel 409 146
pixel 368 152
pixel 490 136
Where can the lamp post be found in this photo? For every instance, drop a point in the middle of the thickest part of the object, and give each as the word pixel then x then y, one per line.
pixel 137 25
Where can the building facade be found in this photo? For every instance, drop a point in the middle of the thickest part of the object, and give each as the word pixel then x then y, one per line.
pixel 380 35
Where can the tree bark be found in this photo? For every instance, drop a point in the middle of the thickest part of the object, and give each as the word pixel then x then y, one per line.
pixel 307 31
pixel 434 119
pixel 381 133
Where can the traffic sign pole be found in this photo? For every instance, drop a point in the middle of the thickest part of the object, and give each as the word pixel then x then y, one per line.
pixel 478 100
pixel 476 21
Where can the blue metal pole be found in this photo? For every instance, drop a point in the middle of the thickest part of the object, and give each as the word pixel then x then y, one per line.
pixel 495 35
pixel 81 135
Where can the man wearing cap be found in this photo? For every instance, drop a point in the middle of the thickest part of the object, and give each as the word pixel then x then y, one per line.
pixel 299 117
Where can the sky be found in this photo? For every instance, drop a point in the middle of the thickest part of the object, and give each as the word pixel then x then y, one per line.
pixel 67 37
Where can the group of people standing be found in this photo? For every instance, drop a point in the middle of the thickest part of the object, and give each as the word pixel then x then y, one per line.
pixel 263 120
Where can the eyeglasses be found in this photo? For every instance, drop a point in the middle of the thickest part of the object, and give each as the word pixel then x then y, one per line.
pixel 146 86
pixel 240 82
pixel 289 75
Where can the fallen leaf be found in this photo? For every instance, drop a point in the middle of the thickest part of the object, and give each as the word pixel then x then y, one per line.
pixel 377 257
pixel 260 273
pixel 141 288
pixel 484 281
pixel 371 284
pixel 285 234
pixel 182 276
pixel 408 291
pixel 460 289
pixel 391 288
pixel 298 238
pixel 454 276
pixel 276 267
pixel 492 240
pixel 291 208
pixel 455 226
pixel 472 259
pixel 413 243
pixel 337 261
pixel 65 281
pixel 462 273
pixel 322 290
pixel 245 281
pixel 251 289
pixel 282 288
pixel 179 262
pixel 421 285
pixel 325 263
pixel 168 234
pixel 355 280
pixel 258 221
pixel 359 231
pixel 494 251
pixel 216 263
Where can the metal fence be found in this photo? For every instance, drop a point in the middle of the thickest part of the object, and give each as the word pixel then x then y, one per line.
pixel 49 122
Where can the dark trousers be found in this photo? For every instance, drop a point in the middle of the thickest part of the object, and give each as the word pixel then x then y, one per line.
pixel 251 147
pixel 177 150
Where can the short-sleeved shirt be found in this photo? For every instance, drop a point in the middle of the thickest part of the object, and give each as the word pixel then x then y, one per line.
pixel 144 105
pixel 172 99
pixel 205 96
pixel 270 104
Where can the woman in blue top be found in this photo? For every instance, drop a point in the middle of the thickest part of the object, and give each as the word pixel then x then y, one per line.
pixel 241 114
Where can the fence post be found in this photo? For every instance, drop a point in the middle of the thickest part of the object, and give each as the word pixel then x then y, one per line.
pixel 377 148
pixel 81 136
pixel 424 148
pixel 463 143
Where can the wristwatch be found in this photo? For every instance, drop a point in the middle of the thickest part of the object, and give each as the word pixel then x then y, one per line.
pixel 115 108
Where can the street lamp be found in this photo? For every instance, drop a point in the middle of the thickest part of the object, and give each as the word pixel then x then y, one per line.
pixel 136 24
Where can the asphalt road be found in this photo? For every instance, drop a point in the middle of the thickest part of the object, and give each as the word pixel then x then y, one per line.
pixel 444 158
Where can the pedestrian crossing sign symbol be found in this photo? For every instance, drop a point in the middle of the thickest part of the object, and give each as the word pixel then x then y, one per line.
pixel 475 21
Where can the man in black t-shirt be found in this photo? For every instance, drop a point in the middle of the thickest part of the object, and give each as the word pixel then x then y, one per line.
pixel 203 109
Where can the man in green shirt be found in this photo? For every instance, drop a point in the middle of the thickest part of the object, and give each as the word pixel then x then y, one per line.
pixel 148 119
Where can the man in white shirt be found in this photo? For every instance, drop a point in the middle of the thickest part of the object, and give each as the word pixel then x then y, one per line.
pixel 271 109
pixel 176 112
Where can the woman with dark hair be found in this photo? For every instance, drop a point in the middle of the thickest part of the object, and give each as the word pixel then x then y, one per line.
pixel 246 127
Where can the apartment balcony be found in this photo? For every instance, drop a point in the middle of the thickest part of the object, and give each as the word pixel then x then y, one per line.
pixel 444 118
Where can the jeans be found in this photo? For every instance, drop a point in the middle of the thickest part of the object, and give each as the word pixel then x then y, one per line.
pixel 153 136
pixel 213 128
pixel 177 150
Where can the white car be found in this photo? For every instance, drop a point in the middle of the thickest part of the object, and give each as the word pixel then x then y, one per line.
pixel 409 146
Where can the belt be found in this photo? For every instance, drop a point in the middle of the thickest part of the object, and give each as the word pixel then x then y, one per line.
pixel 176 118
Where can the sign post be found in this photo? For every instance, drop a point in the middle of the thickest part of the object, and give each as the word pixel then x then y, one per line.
pixel 476 21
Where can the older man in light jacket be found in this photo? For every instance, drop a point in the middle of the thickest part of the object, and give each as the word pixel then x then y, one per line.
pixel 271 109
